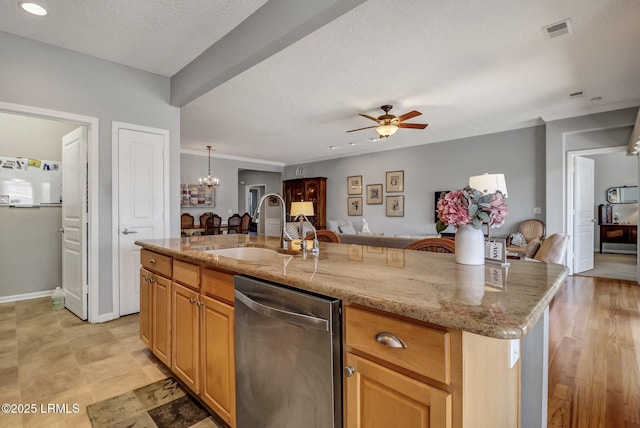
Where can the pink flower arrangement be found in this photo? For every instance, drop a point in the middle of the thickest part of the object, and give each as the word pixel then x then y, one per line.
pixel 470 206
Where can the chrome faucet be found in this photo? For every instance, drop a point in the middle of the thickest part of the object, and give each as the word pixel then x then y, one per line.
pixel 303 243
pixel 285 238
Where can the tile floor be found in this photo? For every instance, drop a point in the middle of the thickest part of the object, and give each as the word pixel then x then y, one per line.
pixel 52 357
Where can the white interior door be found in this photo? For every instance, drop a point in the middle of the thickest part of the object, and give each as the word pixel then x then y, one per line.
pixel 141 194
pixel 583 214
pixel 74 221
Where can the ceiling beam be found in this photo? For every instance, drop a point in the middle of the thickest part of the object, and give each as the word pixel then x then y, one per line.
pixel 273 27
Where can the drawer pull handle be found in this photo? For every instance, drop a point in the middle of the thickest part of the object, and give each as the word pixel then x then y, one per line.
pixel 349 371
pixel 390 340
pixel 152 261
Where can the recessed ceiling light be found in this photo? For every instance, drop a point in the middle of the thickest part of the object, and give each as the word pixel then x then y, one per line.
pixel 353 143
pixel 33 8
pixel 596 99
pixel 332 147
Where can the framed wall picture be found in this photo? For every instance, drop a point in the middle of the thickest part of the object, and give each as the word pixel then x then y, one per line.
pixel 272 201
pixel 354 185
pixel 374 194
pixel 395 206
pixel 354 205
pixel 395 181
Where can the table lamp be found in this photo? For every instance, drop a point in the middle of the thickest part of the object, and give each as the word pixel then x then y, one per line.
pixel 489 183
pixel 304 208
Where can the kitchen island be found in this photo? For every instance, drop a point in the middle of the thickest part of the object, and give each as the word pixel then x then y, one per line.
pixel 474 316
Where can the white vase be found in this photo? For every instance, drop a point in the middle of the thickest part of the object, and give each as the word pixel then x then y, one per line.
pixel 469 245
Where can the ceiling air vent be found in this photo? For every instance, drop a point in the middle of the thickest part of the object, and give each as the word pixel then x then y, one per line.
pixel 558 29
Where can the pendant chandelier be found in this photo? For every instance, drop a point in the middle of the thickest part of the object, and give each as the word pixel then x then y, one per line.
pixel 210 181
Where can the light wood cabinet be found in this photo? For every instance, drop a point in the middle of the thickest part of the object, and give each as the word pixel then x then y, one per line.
pixel 379 397
pixel 188 323
pixel 401 372
pixel 386 383
pixel 146 307
pixel 310 190
pixel 161 319
pixel 155 267
pixel 217 351
pixel 185 336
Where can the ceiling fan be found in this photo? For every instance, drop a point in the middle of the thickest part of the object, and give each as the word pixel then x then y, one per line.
pixel 388 124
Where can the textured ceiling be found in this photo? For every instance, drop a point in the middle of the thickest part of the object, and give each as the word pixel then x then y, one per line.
pixel 471 68
pixel 159 36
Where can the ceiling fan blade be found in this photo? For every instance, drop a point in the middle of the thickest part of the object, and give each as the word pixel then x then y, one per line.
pixel 409 115
pixel 360 129
pixel 413 125
pixel 369 117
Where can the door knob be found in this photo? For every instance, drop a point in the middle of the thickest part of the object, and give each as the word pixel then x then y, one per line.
pixel 348 371
pixel 61 230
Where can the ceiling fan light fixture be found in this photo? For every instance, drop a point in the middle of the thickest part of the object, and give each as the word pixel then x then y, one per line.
pixel 386 130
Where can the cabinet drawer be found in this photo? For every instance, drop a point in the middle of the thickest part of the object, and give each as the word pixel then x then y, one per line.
pixel 218 284
pixel 187 274
pixel 158 263
pixel 427 350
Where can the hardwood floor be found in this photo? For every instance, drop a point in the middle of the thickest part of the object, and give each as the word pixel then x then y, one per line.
pixel 594 354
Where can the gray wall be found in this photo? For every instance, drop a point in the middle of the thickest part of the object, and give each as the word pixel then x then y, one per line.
pixel 30 244
pixel 608 129
pixel 613 170
pixel 227 199
pixel 429 168
pixel 246 178
pixel 40 75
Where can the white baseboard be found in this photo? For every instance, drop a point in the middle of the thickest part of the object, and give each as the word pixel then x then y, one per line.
pixel 27 296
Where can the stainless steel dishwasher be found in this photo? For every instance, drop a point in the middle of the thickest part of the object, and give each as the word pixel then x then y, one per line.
pixel 288 357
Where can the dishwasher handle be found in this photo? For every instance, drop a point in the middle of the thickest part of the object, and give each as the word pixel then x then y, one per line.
pixel 291 317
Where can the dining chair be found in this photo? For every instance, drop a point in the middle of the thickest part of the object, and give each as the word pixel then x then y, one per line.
pixel 212 225
pixel 233 223
pixel 186 221
pixel 245 223
pixel 203 219
pixel 434 245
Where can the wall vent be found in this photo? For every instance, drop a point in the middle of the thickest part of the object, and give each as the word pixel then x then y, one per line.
pixel 558 29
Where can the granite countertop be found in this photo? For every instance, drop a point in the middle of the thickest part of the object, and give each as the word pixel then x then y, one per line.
pixel 489 300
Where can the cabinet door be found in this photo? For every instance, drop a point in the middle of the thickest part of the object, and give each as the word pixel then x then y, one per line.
pixel 218 388
pixel 146 292
pixel 185 336
pixel 377 397
pixel 161 319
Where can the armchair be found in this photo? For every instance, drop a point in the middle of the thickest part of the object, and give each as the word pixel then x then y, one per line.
pixel 533 231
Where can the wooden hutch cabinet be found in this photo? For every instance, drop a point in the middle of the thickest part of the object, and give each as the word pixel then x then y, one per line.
pixel 308 189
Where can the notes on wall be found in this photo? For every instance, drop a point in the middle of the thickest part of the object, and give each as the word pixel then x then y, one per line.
pixel 30 181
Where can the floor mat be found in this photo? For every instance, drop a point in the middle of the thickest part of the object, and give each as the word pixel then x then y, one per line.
pixel 162 404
